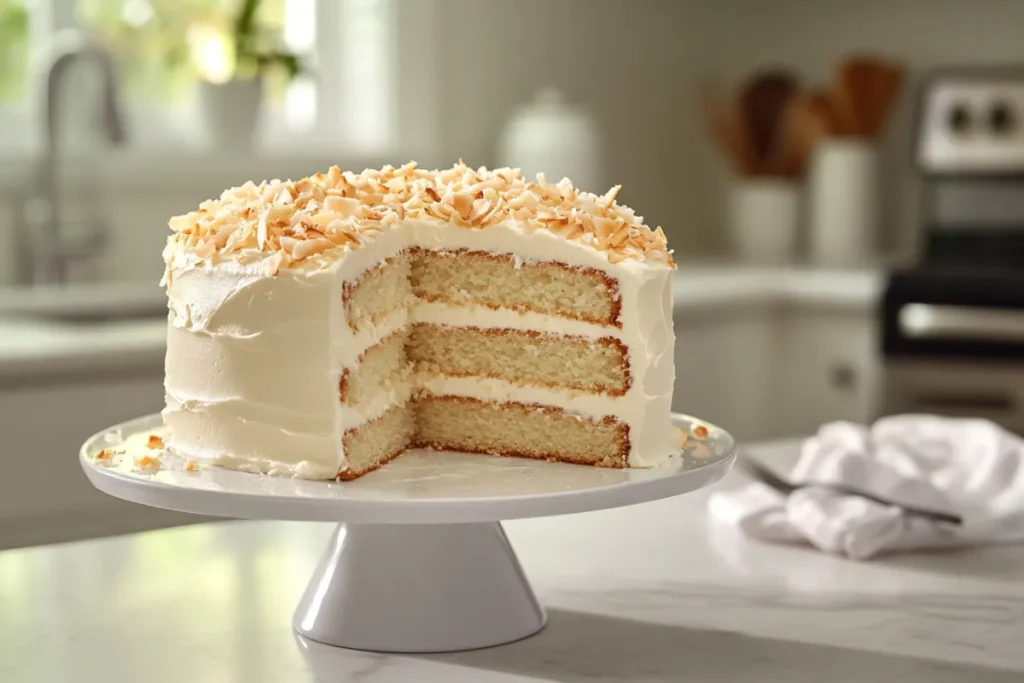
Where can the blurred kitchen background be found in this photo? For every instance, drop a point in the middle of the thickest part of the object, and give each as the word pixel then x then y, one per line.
pixel 839 258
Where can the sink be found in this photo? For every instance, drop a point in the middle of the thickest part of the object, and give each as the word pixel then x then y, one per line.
pixel 85 303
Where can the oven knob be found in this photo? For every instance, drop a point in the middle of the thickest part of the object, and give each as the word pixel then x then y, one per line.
pixel 1001 118
pixel 959 119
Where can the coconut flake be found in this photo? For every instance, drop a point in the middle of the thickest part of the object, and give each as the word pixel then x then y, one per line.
pixel 345 209
pixel 261 230
pixel 608 198
pixel 307 248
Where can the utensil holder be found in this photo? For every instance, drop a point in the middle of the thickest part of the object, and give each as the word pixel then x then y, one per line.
pixel 764 220
pixel 843 202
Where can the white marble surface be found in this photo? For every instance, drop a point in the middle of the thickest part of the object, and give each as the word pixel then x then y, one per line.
pixel 698 287
pixel 36 347
pixel 647 593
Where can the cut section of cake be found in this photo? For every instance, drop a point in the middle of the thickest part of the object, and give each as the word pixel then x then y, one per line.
pixel 323 327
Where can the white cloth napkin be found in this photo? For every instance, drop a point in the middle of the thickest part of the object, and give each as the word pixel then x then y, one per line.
pixel 970 467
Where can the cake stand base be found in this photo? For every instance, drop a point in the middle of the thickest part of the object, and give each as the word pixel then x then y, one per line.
pixel 420 562
pixel 418 588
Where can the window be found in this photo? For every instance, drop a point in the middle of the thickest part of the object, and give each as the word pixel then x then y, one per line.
pixel 345 92
pixel 13 50
pixel 165 46
pixel 367 49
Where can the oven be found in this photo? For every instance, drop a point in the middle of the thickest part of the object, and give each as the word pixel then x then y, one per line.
pixel 953 325
pixel 953 345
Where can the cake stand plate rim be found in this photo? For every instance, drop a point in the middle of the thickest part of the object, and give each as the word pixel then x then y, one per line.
pixel 283 499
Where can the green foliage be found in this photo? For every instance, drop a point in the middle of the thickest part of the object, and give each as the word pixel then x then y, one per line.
pixel 13 48
pixel 155 51
pixel 150 40
pixel 253 50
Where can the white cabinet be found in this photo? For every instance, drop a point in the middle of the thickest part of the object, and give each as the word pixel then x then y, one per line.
pixel 44 496
pixel 779 370
pixel 829 369
pixel 724 360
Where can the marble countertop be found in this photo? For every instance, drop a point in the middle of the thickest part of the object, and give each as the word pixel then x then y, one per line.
pixel 699 286
pixel 33 346
pixel 646 593
pixel 38 348
pixel 57 331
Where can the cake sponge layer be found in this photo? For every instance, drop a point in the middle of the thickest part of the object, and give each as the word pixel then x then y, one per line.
pixel 374 443
pixel 380 291
pixel 522 356
pixel 381 368
pixel 500 281
pixel 516 429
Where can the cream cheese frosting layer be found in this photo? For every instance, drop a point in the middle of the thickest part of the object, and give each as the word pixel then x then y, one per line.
pixel 437 313
pixel 354 416
pixel 240 434
pixel 254 358
pixel 250 374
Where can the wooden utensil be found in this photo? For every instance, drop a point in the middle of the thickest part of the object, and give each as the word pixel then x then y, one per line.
pixel 821 107
pixel 868 87
pixel 729 129
pixel 763 101
pixel 842 120
pixel 806 123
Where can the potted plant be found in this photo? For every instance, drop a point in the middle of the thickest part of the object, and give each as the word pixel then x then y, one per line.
pixel 232 61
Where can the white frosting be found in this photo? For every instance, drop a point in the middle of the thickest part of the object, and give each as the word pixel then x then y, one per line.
pixel 504 318
pixel 574 402
pixel 253 361
pixel 353 416
pixel 251 378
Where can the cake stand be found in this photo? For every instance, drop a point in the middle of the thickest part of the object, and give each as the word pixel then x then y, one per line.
pixel 419 561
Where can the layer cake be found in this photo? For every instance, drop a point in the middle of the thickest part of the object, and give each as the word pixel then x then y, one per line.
pixel 322 327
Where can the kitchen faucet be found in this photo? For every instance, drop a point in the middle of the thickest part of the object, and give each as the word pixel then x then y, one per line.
pixel 46 253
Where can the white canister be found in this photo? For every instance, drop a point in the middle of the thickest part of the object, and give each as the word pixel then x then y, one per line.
pixel 231 112
pixel 559 140
pixel 843 202
pixel 765 216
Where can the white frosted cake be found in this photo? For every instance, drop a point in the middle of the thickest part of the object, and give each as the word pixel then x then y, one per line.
pixel 321 328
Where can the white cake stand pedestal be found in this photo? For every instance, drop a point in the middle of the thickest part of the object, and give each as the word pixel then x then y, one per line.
pixel 419 562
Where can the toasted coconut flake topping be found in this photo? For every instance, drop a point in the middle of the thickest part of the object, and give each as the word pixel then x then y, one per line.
pixel 326 215
pixel 147 464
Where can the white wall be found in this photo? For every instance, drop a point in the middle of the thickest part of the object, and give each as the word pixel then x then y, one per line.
pixel 637 64
pixel 633 64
